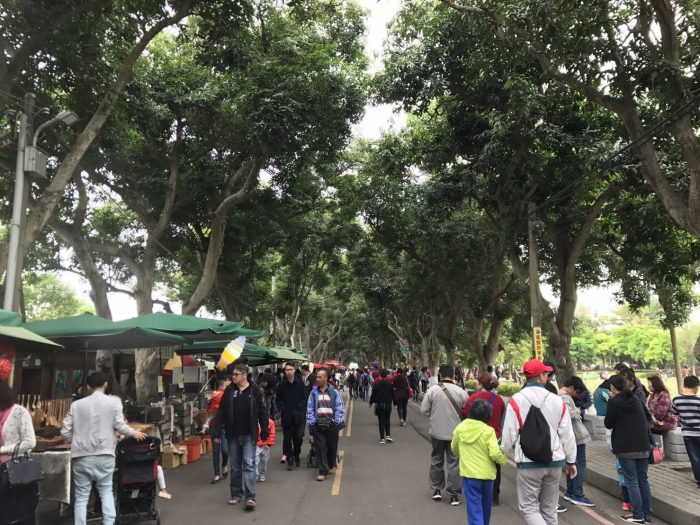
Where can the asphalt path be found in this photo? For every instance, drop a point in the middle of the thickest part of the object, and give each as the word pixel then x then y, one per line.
pixel 385 483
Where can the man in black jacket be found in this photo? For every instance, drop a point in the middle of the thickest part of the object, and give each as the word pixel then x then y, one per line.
pixel 241 412
pixel 291 401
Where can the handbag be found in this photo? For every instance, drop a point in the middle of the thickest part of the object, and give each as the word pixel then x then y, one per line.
pixel 656 454
pixel 22 470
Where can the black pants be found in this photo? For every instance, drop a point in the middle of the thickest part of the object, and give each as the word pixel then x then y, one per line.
pixel 424 385
pixel 497 482
pixel 326 446
pixel 293 438
pixel 17 505
pixel 383 411
pixel 402 408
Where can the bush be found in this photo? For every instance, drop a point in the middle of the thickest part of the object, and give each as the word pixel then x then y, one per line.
pixel 508 389
pixel 471 384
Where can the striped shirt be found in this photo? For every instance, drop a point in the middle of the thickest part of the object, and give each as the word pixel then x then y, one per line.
pixel 325 407
pixel 688 410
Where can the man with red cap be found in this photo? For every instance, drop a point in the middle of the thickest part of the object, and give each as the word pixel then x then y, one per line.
pixel 539 473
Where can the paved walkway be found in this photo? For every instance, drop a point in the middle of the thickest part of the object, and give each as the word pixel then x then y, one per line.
pixel 388 483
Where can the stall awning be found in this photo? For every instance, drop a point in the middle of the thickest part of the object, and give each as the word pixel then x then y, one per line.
pixel 8 318
pixel 285 354
pixel 195 329
pixel 89 332
pixel 22 339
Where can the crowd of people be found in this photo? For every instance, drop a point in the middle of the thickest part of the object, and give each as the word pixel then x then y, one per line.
pixel 540 427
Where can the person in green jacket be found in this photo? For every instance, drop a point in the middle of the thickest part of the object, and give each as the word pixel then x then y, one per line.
pixel 474 443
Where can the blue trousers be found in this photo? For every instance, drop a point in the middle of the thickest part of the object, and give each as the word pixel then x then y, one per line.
pixel 692 446
pixel 479 496
pixel 635 473
pixel 575 486
pixel 220 454
pixel 243 475
pixel 99 469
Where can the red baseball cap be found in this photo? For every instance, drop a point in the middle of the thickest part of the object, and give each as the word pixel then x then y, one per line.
pixel 5 369
pixel 535 367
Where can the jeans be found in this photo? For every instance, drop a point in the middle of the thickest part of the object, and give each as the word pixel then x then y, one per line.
pixel 637 482
pixel 271 405
pixel 219 449
pixel 326 446
pixel 262 456
pixel 479 496
pixel 575 486
pixel 441 454
pixel 402 408
pixel 99 469
pixel 242 451
pixel 293 439
pixel 538 494
pixel 692 447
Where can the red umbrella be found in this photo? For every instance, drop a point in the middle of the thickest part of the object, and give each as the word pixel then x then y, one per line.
pixel 332 364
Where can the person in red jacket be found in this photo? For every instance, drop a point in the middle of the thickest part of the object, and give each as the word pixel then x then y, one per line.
pixel 262 453
pixel 485 392
pixel 219 445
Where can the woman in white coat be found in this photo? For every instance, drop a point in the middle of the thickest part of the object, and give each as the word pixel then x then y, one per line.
pixel 17 505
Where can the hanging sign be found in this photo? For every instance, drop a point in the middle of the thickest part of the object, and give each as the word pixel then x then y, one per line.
pixel 537 340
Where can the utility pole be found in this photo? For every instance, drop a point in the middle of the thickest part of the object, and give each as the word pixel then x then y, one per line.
pixel 15 256
pixel 533 226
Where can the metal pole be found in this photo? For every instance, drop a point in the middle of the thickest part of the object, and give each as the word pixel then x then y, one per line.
pixel 534 278
pixel 10 300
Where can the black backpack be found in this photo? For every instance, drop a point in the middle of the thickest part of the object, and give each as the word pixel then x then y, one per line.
pixel 535 438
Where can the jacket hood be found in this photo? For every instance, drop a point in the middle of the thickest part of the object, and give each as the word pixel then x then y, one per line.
pixel 472 430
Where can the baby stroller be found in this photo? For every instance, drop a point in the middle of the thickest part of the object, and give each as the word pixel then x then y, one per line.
pixel 137 473
pixel 312 459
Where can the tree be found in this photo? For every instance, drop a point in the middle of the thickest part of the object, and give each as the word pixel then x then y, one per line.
pixel 47 297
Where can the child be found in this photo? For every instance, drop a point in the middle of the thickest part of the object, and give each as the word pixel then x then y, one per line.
pixel 474 443
pixel 262 454
pixel 574 487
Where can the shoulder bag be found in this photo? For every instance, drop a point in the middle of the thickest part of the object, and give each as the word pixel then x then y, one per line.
pixel 452 400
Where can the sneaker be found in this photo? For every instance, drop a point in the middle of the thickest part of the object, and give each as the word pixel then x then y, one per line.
pixel 261 479
pixel 320 477
pixel 454 501
pixel 437 496
pixel 402 423
pixel 582 501
pixel 561 508
pixel 647 520
pixel 568 496
pixel 629 518
pixel 381 441
pixel 250 504
pixel 283 459
pixel 627 506
pixel 331 471
pixel 389 440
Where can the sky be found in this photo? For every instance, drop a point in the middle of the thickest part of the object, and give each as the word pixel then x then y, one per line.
pixel 376 120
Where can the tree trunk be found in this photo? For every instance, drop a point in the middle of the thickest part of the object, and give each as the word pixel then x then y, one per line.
pixel 676 357
pixel 492 346
pixel 148 367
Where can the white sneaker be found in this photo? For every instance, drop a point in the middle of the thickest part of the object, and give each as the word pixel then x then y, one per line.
pixel 381 441
pixel 389 440
pixel 261 479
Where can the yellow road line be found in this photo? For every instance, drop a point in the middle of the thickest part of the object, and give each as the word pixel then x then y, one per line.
pixel 338 474
pixel 348 429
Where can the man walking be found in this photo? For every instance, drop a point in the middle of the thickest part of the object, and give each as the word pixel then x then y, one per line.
pixel 291 400
pixel 325 414
pixel 546 434
pixel 91 427
pixel 443 404
pixel 242 418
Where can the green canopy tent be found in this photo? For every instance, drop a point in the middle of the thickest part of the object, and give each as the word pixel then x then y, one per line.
pixel 254 354
pixel 193 328
pixel 285 354
pixel 89 332
pixel 8 318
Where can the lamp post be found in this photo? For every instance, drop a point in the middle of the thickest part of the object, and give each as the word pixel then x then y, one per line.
pixel 31 159
pixel 533 227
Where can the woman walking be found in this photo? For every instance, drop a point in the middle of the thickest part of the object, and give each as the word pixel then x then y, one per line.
pixel 629 421
pixel 383 397
pixel 659 405
pixel 401 395
pixel 17 504
pixel 424 378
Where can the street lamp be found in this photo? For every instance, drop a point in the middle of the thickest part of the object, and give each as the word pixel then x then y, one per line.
pixel 32 160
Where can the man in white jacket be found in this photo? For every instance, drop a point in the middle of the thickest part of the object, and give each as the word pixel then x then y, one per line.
pixel 538 483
